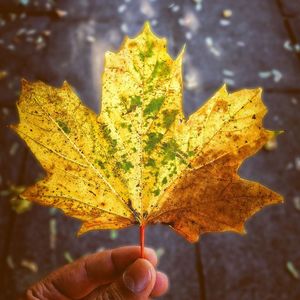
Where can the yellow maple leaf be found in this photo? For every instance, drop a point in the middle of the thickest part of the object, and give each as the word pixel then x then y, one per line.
pixel 140 161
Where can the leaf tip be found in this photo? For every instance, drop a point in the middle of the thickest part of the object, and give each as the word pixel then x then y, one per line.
pixel 13 127
pixel 147 30
pixel 24 84
pixel 223 89
pixel 24 81
pixel 147 27
pixel 179 57
pixel 278 132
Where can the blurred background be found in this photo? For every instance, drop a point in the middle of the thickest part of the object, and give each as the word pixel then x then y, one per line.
pixel 243 43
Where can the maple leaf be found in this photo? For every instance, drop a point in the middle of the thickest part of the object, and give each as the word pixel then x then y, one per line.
pixel 140 161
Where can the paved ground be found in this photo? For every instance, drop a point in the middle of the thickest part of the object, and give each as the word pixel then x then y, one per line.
pixel 259 45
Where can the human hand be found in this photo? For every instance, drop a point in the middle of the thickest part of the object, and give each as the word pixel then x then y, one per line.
pixel 117 274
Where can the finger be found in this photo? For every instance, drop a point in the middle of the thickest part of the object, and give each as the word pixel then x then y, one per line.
pixel 136 283
pixel 161 285
pixel 78 279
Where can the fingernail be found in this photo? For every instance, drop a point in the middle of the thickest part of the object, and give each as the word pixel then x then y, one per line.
pixel 137 277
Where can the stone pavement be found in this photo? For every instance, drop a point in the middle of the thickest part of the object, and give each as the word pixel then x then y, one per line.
pixel 244 43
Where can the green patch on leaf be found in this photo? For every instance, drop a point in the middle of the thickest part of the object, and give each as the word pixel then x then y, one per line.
pixel 100 163
pixel 154 105
pixel 63 126
pixel 153 139
pixel 172 150
pixel 156 192
pixel 148 52
pixel 125 165
pixel 161 69
pixel 150 162
pixel 190 153
pixel 107 135
pixel 169 117
pixel 135 101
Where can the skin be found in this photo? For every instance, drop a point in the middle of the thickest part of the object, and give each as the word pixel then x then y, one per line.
pixel 117 274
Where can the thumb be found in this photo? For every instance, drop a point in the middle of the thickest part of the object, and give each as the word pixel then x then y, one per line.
pixel 136 283
pixel 139 278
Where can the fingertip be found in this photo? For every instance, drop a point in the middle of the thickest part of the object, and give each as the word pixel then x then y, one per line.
pixel 140 277
pixel 161 285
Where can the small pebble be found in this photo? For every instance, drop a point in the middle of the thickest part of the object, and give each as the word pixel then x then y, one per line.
pixel 21 31
pixel 288 45
pixel 191 80
pixel 174 7
pixel 296 201
pixel 5 111
pixel 48 6
pixel 3 74
pixel 294 101
pixel 160 252
pixel 11 47
pixel 121 8
pixel 227 72
pixel 13 17
pixel 23 16
pixel 271 145
pixel 154 22
pixel 124 28
pixel 10 262
pixel 277 75
pixel 39 40
pixel 61 13
pixel 68 257
pixel 46 33
pixel 30 265
pixel 210 45
pixel 90 39
pixel 241 44
pixel 13 149
pixel 188 35
pixel 265 74
pixel 224 22
pixel 227 13
pixel 31 32
pixel 292 270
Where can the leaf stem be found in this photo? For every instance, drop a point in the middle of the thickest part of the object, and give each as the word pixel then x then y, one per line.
pixel 142 240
